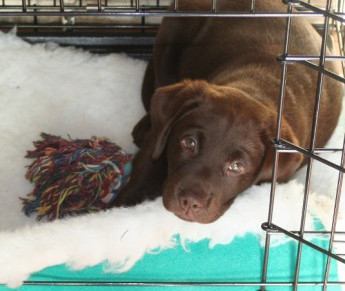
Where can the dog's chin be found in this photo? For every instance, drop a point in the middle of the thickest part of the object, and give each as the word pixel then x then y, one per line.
pixel 203 217
pixel 196 219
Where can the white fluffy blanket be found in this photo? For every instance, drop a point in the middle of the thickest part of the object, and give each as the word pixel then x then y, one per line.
pixel 45 88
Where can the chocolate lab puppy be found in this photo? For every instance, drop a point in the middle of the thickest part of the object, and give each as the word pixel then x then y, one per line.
pixel 211 92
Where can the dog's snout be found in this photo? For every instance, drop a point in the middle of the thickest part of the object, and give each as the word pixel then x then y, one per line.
pixel 192 201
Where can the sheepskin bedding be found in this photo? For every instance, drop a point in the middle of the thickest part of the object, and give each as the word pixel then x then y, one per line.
pixel 65 91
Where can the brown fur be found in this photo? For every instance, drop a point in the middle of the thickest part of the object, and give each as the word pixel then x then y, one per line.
pixel 217 80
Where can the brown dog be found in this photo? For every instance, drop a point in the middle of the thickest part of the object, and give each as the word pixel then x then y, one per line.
pixel 211 92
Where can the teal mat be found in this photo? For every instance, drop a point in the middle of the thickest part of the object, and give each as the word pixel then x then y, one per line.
pixel 241 260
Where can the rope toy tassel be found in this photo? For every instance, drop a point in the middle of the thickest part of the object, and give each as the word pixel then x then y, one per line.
pixel 74 176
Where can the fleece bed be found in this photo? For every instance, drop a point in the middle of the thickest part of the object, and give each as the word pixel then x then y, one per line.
pixel 65 91
pixel 239 261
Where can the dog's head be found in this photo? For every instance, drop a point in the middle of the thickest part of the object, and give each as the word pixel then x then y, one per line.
pixel 218 143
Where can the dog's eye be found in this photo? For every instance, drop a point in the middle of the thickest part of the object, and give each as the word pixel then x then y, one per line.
pixel 234 168
pixel 189 144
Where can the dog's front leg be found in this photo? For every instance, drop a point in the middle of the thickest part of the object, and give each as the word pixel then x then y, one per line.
pixel 146 179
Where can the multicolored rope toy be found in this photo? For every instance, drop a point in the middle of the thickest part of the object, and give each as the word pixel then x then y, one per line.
pixel 74 176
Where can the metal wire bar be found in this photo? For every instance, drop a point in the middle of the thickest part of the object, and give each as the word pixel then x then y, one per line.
pixel 285 149
pixel 317 12
pixel 143 23
pixel 309 153
pixel 83 26
pixel 326 13
pixel 308 232
pixel 280 107
pixel 252 5
pixel 300 239
pixel 294 58
pixel 339 29
pixel 305 60
pixel 324 71
pixel 174 284
pixel 214 5
pixel 312 143
pixel 79 8
pixel 108 12
pixel 335 215
pixel 175 5
pixel 276 153
pixel 24 5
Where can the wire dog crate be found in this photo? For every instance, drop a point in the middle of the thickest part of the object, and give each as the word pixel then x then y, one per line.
pixel 130 26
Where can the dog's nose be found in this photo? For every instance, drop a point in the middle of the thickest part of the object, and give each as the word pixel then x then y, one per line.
pixel 190 201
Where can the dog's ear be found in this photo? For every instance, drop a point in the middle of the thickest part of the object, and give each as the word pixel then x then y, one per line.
pixel 288 163
pixel 170 104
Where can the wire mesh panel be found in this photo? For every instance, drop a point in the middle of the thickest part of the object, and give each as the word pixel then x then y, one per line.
pixel 88 24
pixel 131 26
pixel 317 63
pixel 105 25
